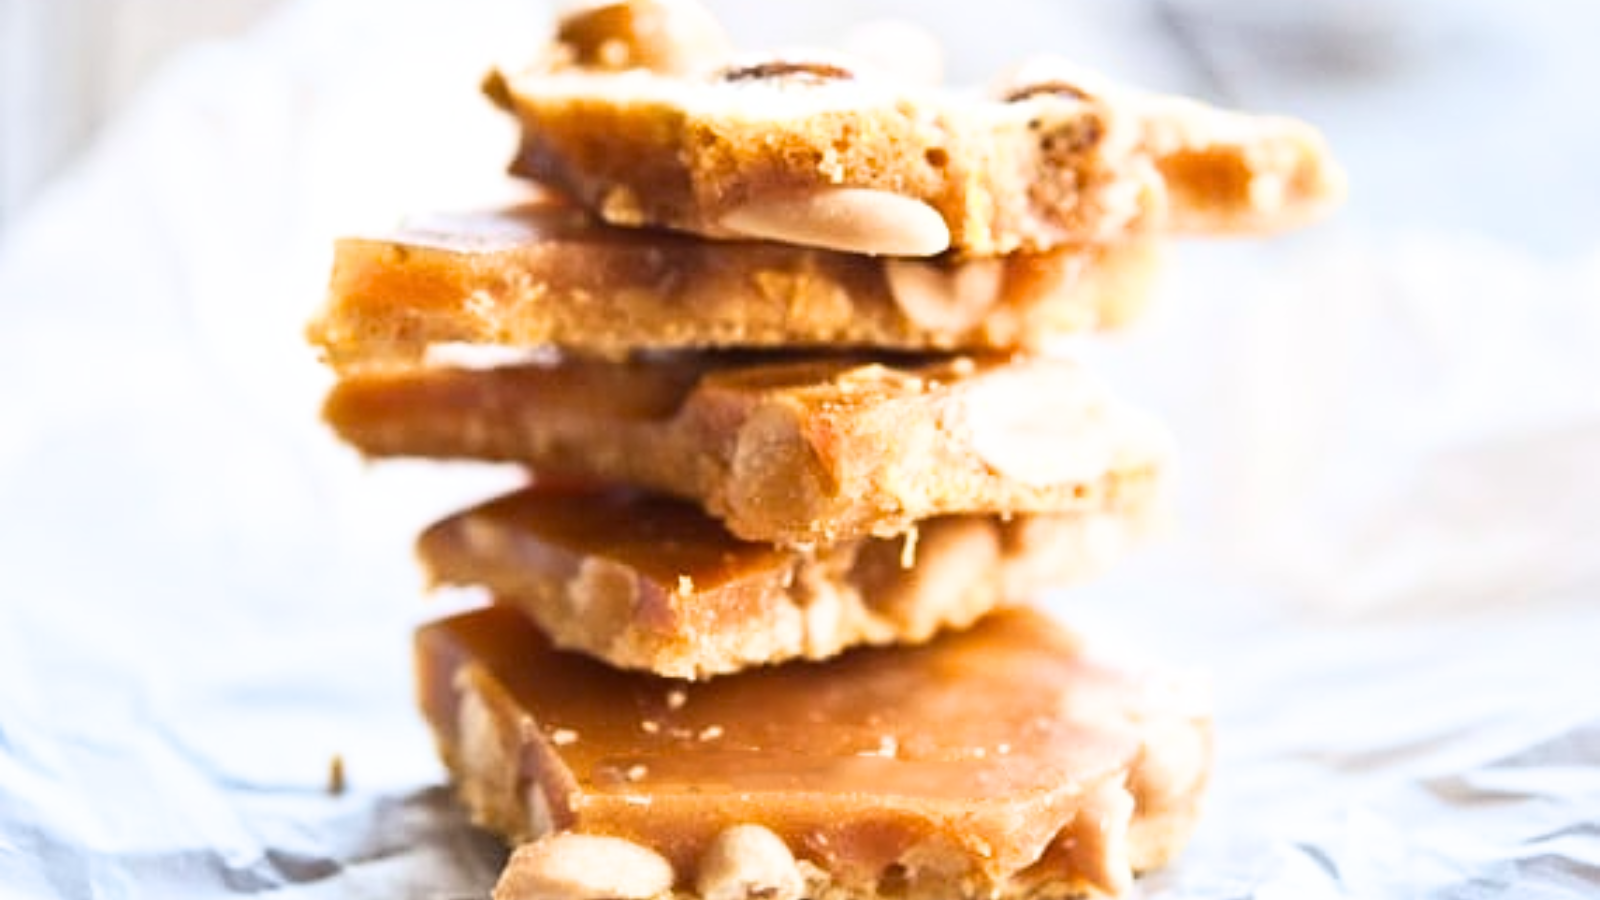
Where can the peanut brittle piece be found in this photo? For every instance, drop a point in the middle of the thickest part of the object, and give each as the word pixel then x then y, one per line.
pixel 815 151
pixel 650 583
pixel 1002 761
pixel 789 451
pixel 548 274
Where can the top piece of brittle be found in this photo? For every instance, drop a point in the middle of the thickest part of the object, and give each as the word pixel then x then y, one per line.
pixel 641 111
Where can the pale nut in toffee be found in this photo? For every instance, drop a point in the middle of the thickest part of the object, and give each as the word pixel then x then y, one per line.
pixel 1025 435
pixel 945 297
pixel 570 866
pixel 850 220
pixel 747 862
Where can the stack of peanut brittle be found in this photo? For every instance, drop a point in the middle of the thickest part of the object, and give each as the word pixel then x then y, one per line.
pixel 773 343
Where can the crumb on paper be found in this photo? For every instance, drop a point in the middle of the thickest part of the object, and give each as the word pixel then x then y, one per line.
pixel 676 698
pixel 562 737
pixel 336 780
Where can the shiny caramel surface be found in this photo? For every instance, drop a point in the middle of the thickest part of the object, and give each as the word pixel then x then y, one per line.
pixel 608 393
pixel 555 530
pixel 982 739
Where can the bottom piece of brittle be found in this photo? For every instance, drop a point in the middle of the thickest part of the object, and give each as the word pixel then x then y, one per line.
pixel 1001 761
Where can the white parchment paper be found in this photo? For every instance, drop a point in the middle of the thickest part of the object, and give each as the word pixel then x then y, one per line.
pixel 1388 554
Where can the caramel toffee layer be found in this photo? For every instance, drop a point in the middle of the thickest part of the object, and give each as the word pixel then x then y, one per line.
pixel 549 274
pixel 651 583
pixel 795 452
pixel 1000 760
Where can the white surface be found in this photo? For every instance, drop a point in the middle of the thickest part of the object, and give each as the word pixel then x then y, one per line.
pixel 66 65
pixel 1389 557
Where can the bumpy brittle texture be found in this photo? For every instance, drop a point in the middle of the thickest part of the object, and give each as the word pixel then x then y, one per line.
pixel 644 582
pixel 790 451
pixel 548 274
pixel 815 151
pixel 1000 761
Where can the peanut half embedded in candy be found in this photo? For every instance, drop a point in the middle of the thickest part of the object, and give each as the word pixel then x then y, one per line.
pixel 944 296
pixel 571 866
pixel 748 861
pixel 854 220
